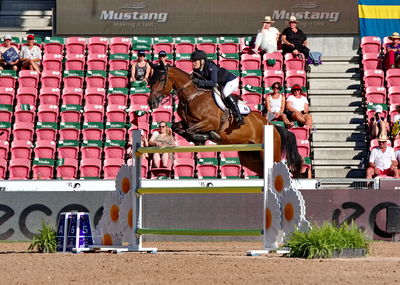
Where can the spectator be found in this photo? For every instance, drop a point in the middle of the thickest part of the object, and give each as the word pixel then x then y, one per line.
pixel 128 147
pixel 162 56
pixel 396 126
pixel 294 40
pixel 382 160
pixel 297 107
pixel 267 38
pixel 31 55
pixel 392 58
pixel 9 55
pixel 275 104
pixel 141 69
pixel 378 124
pixel 160 139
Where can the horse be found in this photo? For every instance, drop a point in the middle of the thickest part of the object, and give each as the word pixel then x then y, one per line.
pixel 202 119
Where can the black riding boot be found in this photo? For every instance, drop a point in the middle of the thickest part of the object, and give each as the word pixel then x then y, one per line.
pixel 231 103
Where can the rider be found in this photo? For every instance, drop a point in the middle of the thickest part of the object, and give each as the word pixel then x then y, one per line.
pixel 208 75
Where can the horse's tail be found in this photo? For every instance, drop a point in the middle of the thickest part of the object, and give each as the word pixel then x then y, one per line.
pixel 289 149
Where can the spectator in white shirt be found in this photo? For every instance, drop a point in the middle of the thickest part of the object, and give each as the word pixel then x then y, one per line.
pixel 31 55
pixel 382 160
pixel 267 38
pixel 297 107
pixel 4 63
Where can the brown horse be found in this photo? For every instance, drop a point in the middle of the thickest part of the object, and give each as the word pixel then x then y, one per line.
pixel 202 119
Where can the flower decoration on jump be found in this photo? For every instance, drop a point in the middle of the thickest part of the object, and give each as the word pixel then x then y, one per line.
pixel 123 181
pixel 103 236
pixel 293 210
pixel 126 222
pixel 279 178
pixel 111 215
pixel 273 219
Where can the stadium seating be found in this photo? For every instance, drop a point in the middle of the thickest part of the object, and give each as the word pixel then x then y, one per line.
pixel 120 45
pixel 373 78
pixel 376 95
pixel 370 44
pixel 393 77
pixel 75 45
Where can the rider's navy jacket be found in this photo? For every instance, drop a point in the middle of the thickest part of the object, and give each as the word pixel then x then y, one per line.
pixel 211 75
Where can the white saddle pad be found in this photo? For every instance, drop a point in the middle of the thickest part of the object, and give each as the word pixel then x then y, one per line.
pixel 243 108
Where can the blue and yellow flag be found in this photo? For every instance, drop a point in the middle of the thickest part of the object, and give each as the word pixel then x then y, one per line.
pixel 379 18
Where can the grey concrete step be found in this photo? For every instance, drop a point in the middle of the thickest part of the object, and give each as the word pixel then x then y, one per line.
pixel 334 108
pixel 334 75
pixel 338 118
pixel 27 5
pixel 337 83
pixel 350 144
pixel 335 100
pixel 353 58
pixel 339 153
pixel 336 162
pixel 323 91
pixel 338 172
pixel 319 126
pixel 338 136
pixel 335 67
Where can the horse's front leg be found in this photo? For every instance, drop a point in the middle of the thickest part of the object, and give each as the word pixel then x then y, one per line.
pixel 205 127
pixel 180 129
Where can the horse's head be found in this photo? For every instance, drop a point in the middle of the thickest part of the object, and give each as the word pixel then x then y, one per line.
pixel 160 85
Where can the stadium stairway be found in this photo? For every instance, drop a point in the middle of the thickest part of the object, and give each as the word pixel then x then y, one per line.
pixel 21 17
pixel 339 137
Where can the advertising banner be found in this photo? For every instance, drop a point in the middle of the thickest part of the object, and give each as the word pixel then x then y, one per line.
pixel 207 17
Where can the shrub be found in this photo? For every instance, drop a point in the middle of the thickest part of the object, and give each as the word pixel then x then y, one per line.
pixel 321 242
pixel 45 240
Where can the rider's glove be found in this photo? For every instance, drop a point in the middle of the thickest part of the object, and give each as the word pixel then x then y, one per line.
pixel 195 81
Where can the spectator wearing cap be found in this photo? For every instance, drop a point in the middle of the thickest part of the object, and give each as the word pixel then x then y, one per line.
pixel 294 40
pixel 141 69
pixel 378 124
pixel 162 56
pixel 382 160
pixel 392 58
pixel 267 37
pixel 297 108
pixel 31 55
pixel 8 60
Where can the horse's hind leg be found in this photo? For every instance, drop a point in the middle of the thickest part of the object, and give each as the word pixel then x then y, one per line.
pixel 253 161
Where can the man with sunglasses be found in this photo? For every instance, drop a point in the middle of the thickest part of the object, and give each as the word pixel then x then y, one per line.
pixel 206 74
pixel 382 160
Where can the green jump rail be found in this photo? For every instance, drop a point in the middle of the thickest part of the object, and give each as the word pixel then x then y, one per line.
pixel 200 232
pixel 200 148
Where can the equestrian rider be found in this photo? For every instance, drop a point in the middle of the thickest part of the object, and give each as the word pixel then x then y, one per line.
pixel 206 74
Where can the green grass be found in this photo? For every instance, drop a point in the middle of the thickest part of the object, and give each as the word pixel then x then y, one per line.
pixel 45 241
pixel 321 242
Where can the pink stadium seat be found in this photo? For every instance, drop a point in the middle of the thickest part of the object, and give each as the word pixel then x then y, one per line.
pixel 70 116
pixel 117 99
pixel 209 48
pixel 165 46
pixel 370 44
pixel 277 56
pixel 119 61
pixel 52 62
pixel 111 167
pixel 19 169
pixel 396 144
pixel 46 133
pixel 68 151
pixel 230 170
pixel 75 62
pixel 7 95
pixel 91 151
pixel 75 45
pixel 5 131
pixel 95 96
pixel 67 169
pixel 393 77
pixel 272 76
pixel 139 98
pixel 90 167
pixel 7 81
pixel 248 173
pixel 95 81
pixel 144 167
pixel 120 45
pixel 116 133
pixel 114 151
pixel 301 133
pixel 93 113
pixel 23 131
pixel 49 95
pixel 162 113
pixel 183 142
pixel 98 45
pixel 139 113
pixel 51 79
pixel 4 148
pixel 183 167
pixel 371 61
pixel 42 171
pixel 24 113
pixel 53 48
pixel 184 64
pixel 47 113
pixel 394 95
pixel 6 114
pixel 183 45
pixel 26 95
pixel 72 96
pixel 392 112
pixel 115 81
pixel 207 170
pixel 97 61
pixel 229 63
pixel 253 80
pixel 251 61
pixel 228 47
pixel 28 78
pixel 73 81
pixel 251 97
pixel 69 133
pixel 295 77
pixel 45 149
pixel 208 154
pixel 116 113
pixel 303 146
pixel 3 168
pixel 229 154
pixel 374 78
pixel 294 63
pixel 376 95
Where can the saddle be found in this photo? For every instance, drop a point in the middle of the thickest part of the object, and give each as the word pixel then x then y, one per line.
pixel 218 98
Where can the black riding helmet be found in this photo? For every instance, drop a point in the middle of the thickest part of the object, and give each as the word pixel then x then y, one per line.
pixel 198 54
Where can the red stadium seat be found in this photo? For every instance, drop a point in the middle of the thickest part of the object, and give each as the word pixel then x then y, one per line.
pixel 45 149
pixel 251 61
pixel 28 78
pixel 7 95
pixel 26 95
pixel 162 113
pixel 7 78
pixel 42 169
pixel 116 113
pixel 93 131
pixel 97 61
pixel 273 61
pixel 93 113
pixel 5 131
pixel 120 45
pixel 228 45
pixel 118 96
pixel 251 97
pixel 183 142
pixel 115 131
pixel 163 43
pixel 96 79
pixel 51 79
pixel 185 45
pixel 69 131
pixel 25 113
pixel 53 45
pixel 72 96
pixel 67 168
pixel 4 148
pixel 68 149
pixel 295 77
pixel 207 44
pixel 19 169
pixel 90 168
pixel 111 167
pixel 374 78
pixel 49 95
pixel 23 131
pixel 301 133
pixel 95 96
pixel 251 77
pixel 303 146
pixel 91 149
pixel 98 45
pixel 114 149
pixel 46 131
pixel 208 154
pixel 52 62
pixel 230 171
pixel 119 61
pixel 207 171
pixel 393 77
pixel 75 62
pixel 371 61
pixel 48 113
pixel 370 44
pixel 394 95
pixel 73 79
pixel 75 45
pixel 376 95
pixel 272 76
pixel 293 63
pixel 70 113
pixel 3 168
pixel 183 167
pixel 21 149
pixel 118 79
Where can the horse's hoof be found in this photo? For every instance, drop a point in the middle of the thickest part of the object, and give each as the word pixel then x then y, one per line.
pixel 214 136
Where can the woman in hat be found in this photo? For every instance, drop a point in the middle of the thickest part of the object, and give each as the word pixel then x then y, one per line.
pixel 8 59
pixel 31 55
pixel 141 69
pixel 297 107
pixel 294 40
pixel 267 38
pixel 392 59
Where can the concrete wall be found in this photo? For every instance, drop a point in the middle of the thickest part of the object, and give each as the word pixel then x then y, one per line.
pixel 334 45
